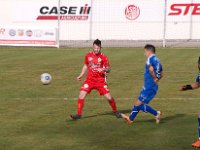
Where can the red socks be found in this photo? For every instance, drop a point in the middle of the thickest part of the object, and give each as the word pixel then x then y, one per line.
pixel 80 104
pixel 113 105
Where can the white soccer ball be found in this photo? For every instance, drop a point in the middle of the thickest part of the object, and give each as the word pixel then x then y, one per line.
pixel 46 78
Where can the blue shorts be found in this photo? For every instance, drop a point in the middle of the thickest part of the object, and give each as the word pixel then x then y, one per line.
pixel 146 95
pixel 198 77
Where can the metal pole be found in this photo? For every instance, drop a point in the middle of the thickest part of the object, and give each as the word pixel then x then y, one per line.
pixel 58 28
pixel 191 27
pixel 164 24
pixel 91 20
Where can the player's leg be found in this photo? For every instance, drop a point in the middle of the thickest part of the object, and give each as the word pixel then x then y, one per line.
pixel 146 96
pixel 199 126
pixel 148 109
pixel 80 105
pixel 80 102
pixel 112 104
pixel 84 90
pixel 129 119
pixel 103 90
pixel 141 104
pixel 111 101
pixel 197 143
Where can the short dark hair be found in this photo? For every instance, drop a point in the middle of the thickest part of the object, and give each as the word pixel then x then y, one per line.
pixel 97 42
pixel 199 60
pixel 150 47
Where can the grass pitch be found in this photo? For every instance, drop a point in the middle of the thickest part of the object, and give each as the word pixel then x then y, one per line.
pixel 36 117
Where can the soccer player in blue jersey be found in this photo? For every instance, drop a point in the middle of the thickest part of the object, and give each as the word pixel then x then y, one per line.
pixel 152 75
pixel 192 86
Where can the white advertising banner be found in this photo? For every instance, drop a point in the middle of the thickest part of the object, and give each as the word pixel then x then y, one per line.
pixel 106 19
pixel 70 10
pixel 127 10
pixel 99 10
pixel 183 19
pixel 28 37
pixel 183 11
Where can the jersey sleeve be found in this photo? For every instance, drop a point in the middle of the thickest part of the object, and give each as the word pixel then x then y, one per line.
pixel 158 70
pixel 149 61
pixel 198 78
pixel 155 62
pixel 86 60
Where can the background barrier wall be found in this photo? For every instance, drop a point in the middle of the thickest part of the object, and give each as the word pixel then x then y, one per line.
pixel 79 21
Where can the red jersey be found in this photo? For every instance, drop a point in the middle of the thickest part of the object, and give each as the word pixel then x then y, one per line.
pixel 94 62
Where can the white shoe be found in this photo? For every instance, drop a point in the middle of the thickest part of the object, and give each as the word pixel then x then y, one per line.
pixel 158 117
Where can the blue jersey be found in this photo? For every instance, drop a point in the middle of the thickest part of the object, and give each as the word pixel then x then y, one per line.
pixel 198 78
pixel 149 82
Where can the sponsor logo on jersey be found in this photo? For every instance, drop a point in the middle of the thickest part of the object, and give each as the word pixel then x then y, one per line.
pixel 90 58
pixel 85 86
pixel 99 59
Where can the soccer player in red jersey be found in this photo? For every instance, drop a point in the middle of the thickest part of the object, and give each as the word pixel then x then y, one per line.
pixel 97 65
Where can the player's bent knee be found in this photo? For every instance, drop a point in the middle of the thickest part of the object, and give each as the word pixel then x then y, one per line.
pixel 108 97
pixel 199 116
pixel 138 102
pixel 82 94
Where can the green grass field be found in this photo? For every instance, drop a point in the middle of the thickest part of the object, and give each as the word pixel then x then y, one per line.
pixel 36 117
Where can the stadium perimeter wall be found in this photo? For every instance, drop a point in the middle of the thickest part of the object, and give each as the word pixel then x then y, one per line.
pixel 119 23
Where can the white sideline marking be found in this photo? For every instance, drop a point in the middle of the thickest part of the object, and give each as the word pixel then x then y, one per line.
pixel 102 98
pixel 123 98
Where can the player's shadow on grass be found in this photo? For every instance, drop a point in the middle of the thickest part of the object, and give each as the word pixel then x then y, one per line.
pixel 106 114
pixel 100 114
pixel 164 119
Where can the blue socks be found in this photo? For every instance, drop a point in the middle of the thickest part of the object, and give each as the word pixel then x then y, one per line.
pixel 199 126
pixel 144 108
pixel 134 113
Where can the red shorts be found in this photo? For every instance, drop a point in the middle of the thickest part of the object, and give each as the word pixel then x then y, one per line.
pixel 101 87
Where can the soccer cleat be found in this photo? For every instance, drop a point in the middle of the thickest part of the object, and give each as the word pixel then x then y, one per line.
pixel 158 117
pixel 126 118
pixel 75 117
pixel 118 114
pixel 196 144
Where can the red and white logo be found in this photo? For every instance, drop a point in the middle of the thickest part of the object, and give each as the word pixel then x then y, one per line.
pixel 99 59
pixel 20 32
pixel 29 33
pixel 90 58
pixel 184 9
pixel 2 30
pixel 132 12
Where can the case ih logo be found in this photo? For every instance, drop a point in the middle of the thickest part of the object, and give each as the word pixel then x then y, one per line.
pixel 184 9
pixel 132 12
pixel 66 13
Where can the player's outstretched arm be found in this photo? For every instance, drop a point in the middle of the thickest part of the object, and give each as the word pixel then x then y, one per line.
pixel 192 86
pixel 84 69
